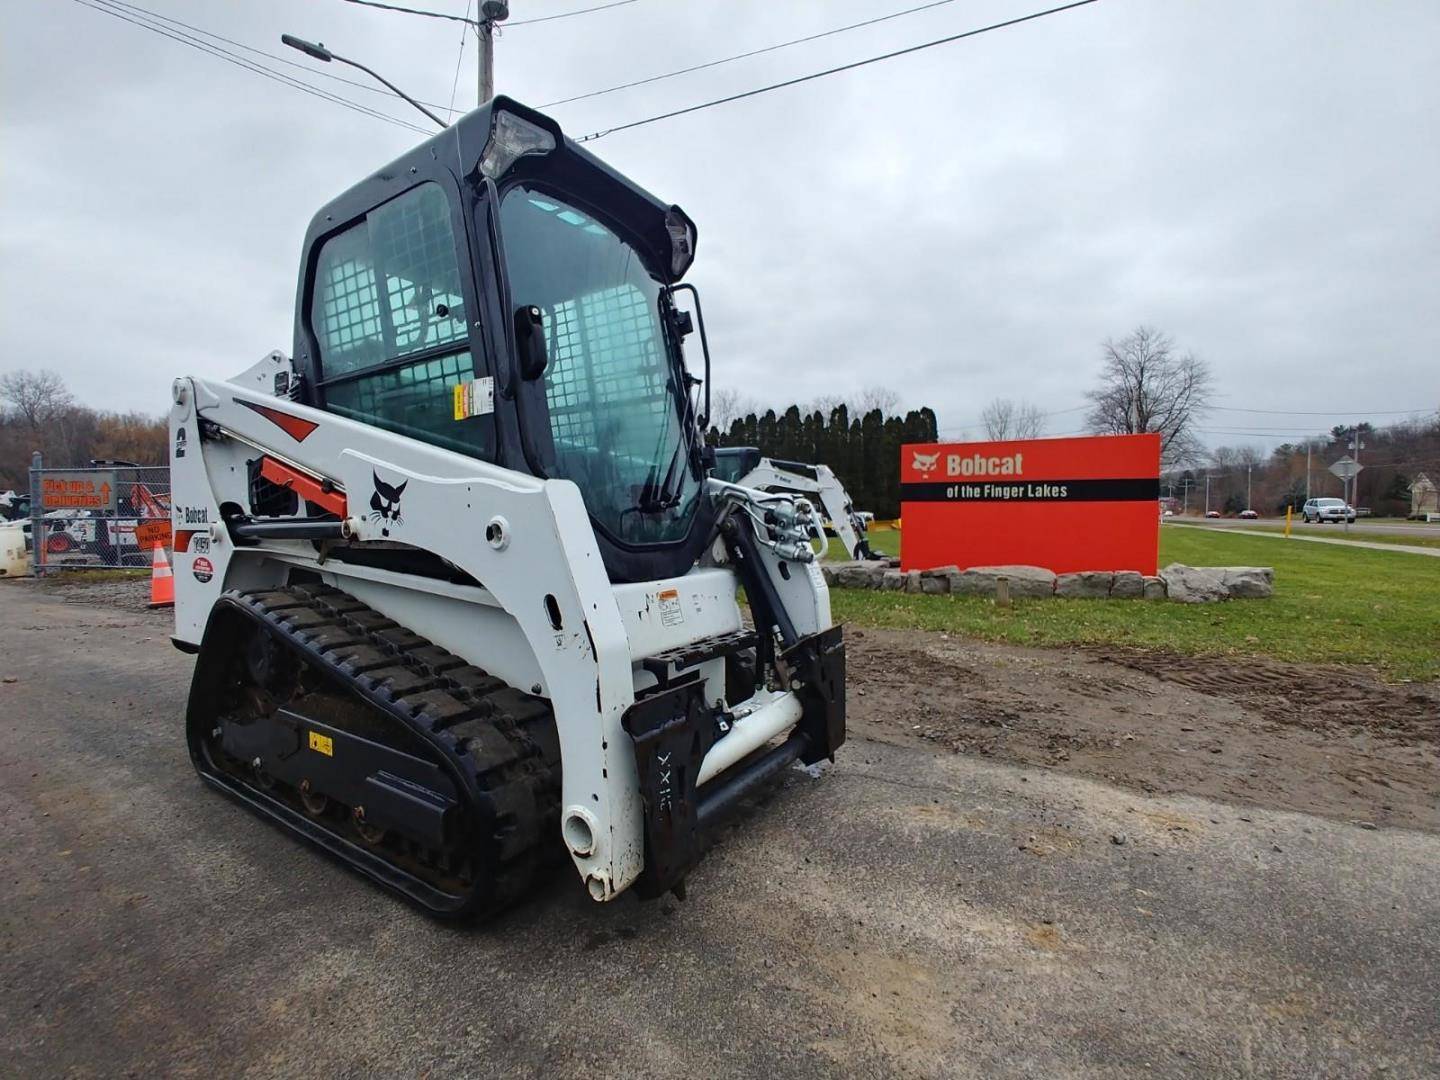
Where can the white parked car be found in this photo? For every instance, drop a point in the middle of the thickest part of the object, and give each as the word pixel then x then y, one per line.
pixel 1319 510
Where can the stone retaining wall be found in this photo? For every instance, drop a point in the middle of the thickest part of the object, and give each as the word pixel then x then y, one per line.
pixel 1178 582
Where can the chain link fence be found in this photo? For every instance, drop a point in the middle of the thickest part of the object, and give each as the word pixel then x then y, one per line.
pixel 110 514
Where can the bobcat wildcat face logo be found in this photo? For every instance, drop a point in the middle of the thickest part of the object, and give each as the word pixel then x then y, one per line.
pixel 385 503
pixel 926 463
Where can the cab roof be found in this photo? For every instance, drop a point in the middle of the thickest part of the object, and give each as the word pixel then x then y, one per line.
pixel 458 148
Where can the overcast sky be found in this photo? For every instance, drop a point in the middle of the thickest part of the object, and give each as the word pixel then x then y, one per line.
pixel 1258 179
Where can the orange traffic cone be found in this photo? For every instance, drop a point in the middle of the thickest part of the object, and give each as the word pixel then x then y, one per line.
pixel 162 581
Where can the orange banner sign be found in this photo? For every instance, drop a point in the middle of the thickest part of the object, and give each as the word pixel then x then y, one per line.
pixel 78 491
pixel 1088 503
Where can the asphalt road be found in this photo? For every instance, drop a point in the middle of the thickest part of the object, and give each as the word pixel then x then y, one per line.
pixel 903 913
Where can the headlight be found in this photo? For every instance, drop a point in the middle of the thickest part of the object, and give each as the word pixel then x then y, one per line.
pixel 682 240
pixel 511 138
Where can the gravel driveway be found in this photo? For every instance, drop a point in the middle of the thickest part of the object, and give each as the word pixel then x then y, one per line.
pixel 909 911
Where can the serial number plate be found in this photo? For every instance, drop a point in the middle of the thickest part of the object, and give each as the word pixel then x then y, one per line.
pixel 322 744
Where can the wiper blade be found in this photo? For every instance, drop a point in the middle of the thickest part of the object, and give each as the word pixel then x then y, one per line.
pixel 657 501
pixel 655 496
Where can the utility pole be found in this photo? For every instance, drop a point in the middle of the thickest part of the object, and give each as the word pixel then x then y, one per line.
pixel 491 12
pixel 1356 445
pixel 1247 487
pixel 1308 444
pixel 1207 494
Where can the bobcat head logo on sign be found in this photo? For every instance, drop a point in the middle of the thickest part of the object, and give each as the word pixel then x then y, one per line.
pixel 385 503
pixel 926 463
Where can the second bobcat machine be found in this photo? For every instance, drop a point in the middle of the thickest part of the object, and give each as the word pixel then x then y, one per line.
pixel 818 482
pixel 461 584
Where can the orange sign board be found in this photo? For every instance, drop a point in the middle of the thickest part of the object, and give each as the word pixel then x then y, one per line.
pixel 150 533
pixel 1089 503
pixel 78 491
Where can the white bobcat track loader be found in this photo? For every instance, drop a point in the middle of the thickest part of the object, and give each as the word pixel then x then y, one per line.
pixel 812 482
pixel 462 588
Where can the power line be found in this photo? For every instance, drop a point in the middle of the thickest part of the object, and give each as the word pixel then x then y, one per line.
pixel 455 86
pixel 474 22
pixel 1347 411
pixel 837 70
pixel 567 14
pixel 1256 431
pixel 249 65
pixel 307 68
pixel 413 11
pixel 746 55
pixel 1264 433
pixel 136 15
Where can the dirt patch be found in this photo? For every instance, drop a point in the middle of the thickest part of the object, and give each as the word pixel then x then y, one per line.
pixel 129 591
pixel 1247 731
pixel 1327 699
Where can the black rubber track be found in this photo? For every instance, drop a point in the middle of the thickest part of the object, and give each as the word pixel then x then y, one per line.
pixel 499 744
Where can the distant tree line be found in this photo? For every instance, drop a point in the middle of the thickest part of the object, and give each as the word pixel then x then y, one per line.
pixel 863 449
pixel 38 412
pixel 1392 456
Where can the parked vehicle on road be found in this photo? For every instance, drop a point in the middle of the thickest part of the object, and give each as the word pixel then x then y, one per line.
pixel 1321 510
pixel 1248 515
pixel 1212 513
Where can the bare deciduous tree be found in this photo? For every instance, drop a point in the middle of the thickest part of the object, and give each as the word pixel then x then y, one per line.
pixel 1006 419
pixel 875 397
pixel 1250 456
pixel 728 405
pixel 37 396
pixel 826 404
pixel 1146 386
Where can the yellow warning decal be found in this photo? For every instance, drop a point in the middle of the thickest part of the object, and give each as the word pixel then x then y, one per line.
pixel 474 398
pixel 322 744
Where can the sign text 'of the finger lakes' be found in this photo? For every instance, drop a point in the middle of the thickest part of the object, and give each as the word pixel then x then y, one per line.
pixel 958 485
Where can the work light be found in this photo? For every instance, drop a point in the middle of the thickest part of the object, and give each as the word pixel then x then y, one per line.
pixel 511 138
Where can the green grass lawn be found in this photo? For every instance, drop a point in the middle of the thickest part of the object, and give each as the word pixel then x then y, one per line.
pixel 1331 605
pixel 1357 532
pixel 887 542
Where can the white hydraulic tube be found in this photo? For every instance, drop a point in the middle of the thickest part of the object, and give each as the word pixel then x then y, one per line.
pixel 750 733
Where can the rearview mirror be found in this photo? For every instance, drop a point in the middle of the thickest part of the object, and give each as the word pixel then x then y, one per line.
pixel 530 342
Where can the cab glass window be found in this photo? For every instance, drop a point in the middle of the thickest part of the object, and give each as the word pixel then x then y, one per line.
pixel 612 398
pixel 388 313
pixel 389 286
